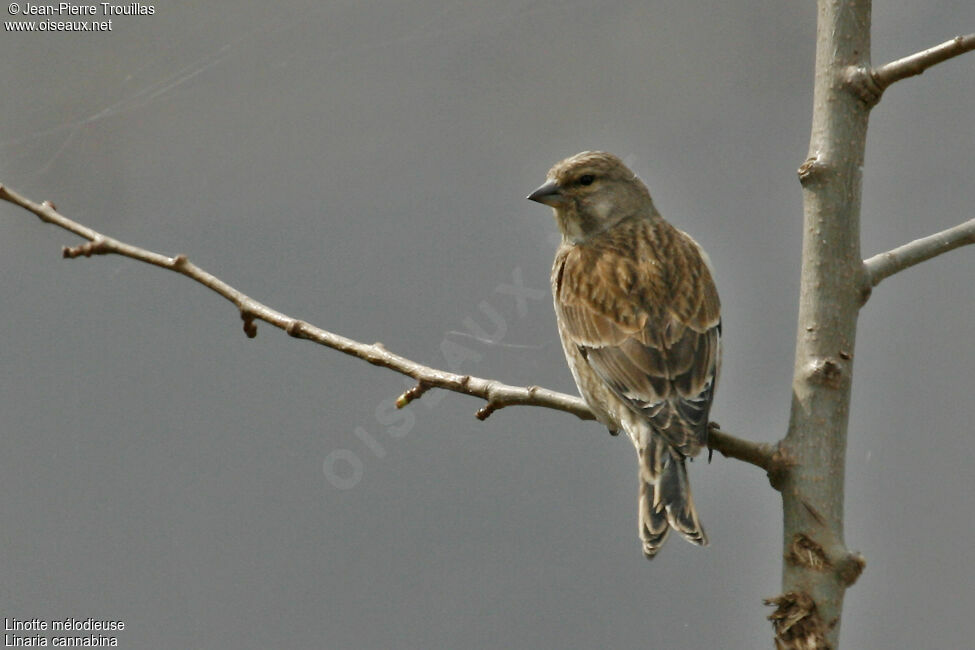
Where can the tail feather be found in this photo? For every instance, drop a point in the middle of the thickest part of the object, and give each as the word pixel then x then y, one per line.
pixel 665 498
pixel 654 528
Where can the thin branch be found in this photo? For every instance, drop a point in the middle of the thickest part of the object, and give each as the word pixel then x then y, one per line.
pixel 917 63
pixel 495 394
pixel 870 83
pixel 755 453
pixel 884 265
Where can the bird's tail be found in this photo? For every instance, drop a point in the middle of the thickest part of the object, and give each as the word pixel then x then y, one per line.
pixel 665 498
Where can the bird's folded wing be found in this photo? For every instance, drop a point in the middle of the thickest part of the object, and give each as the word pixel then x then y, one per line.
pixel 652 335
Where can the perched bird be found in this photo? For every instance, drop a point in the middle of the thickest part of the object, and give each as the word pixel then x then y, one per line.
pixel 638 315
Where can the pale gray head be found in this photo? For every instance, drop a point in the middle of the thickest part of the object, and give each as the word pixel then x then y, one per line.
pixel 592 191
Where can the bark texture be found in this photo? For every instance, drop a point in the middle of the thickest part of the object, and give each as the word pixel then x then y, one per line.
pixel 817 566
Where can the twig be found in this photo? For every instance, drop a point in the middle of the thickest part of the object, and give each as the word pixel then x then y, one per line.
pixel 917 63
pixel 884 265
pixel 870 83
pixel 495 394
pixel 756 453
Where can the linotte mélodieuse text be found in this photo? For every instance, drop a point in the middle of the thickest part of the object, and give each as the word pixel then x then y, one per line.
pixel 90 625
pixel 99 9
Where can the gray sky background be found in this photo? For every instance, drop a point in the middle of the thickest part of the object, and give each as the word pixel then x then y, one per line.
pixel 363 166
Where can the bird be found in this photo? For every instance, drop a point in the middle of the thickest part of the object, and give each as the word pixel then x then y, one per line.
pixel 639 318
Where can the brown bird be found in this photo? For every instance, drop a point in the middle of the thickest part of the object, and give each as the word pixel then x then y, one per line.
pixel 638 315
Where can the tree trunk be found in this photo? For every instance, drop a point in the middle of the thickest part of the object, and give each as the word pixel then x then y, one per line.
pixel 817 566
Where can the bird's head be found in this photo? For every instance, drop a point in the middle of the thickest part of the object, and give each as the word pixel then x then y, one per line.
pixel 592 191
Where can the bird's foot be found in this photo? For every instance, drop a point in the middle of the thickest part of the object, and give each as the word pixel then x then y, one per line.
pixel 712 426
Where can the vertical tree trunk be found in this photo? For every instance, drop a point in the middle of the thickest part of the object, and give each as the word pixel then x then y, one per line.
pixel 817 567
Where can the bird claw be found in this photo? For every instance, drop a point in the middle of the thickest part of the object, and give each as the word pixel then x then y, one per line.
pixel 712 426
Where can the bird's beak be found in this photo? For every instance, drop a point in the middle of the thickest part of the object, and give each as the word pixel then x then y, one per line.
pixel 550 194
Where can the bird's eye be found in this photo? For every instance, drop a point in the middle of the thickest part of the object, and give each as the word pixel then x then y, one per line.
pixel 586 179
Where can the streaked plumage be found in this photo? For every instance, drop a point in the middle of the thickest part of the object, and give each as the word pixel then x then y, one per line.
pixel 638 315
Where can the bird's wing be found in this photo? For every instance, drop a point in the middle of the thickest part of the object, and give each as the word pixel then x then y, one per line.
pixel 648 324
